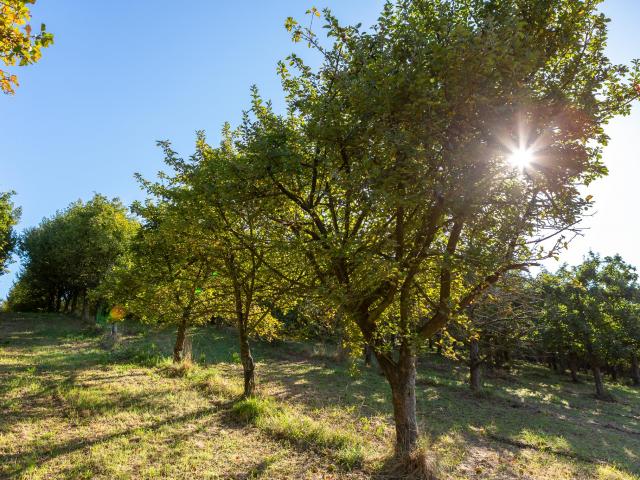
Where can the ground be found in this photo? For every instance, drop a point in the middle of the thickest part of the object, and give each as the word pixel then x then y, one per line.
pixel 73 405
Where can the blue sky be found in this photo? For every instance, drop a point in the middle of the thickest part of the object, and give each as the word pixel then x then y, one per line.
pixel 123 74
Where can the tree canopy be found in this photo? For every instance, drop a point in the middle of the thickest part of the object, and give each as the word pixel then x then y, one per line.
pixel 67 256
pixel 592 311
pixel 9 216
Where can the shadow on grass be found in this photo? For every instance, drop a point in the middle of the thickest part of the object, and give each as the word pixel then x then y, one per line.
pixel 48 453
pixel 529 408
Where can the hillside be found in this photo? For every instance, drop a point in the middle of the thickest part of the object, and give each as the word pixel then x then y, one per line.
pixel 72 406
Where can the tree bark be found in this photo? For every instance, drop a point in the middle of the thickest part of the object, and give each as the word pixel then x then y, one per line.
pixel 597 378
pixel 614 373
pixel 635 370
pixel 248 365
pixel 85 307
pixel 178 349
pixel 573 367
pixel 74 302
pixel 553 362
pixel 401 376
pixel 475 366
pixel 368 353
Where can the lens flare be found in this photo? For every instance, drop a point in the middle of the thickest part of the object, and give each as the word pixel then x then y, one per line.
pixel 117 313
pixel 520 158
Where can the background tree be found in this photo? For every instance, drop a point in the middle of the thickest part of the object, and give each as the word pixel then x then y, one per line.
pixel 557 329
pixel 68 255
pixel 18 45
pixel 228 227
pixel 496 326
pixel 622 303
pixel 586 308
pixel 9 216
pixel 393 166
pixel 166 278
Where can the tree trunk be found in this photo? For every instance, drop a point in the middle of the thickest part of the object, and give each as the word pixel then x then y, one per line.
pixel 178 349
pixel 614 373
pixel 51 301
pixel 368 353
pixel 475 366
pixel 573 367
pixel 248 365
pixel 401 376
pixel 597 377
pixel 553 362
pixel 635 370
pixel 341 351
pixel 74 302
pixel 85 307
pixel 114 329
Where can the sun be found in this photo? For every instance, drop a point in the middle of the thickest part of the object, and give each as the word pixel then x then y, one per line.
pixel 520 158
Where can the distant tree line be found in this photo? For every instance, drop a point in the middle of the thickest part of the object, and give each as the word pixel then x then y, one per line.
pixel 66 257
pixel 9 216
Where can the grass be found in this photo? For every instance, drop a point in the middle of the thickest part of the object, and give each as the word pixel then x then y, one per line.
pixel 72 408
pixel 284 422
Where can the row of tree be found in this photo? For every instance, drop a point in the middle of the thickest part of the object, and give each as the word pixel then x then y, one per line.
pixel 585 317
pixel 67 256
pixel 385 196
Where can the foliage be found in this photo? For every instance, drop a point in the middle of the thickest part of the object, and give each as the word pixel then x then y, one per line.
pixel 221 237
pixel 67 256
pixel 163 277
pixel 501 321
pixel 9 216
pixel 391 168
pixel 592 310
pixel 18 45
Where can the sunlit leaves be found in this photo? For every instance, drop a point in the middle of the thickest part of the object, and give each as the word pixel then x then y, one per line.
pixel 70 253
pixel 9 216
pixel 19 46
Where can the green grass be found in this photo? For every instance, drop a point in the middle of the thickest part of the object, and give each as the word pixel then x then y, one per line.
pixel 284 422
pixel 72 408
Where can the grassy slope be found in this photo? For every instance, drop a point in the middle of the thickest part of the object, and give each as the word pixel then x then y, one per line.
pixel 69 408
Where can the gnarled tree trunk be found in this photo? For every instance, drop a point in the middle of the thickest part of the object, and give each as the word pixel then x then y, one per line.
pixel 368 354
pixel 597 378
pixel 573 366
pixel 401 376
pixel 248 365
pixel 178 349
